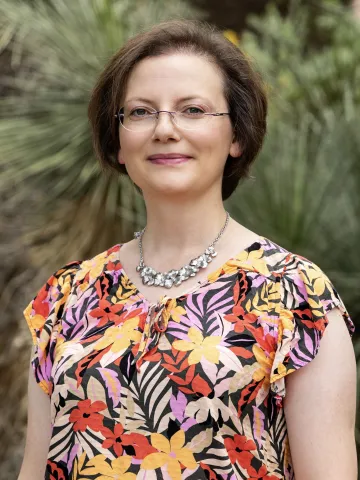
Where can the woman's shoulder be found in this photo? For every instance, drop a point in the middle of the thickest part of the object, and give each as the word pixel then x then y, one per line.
pixel 89 268
pixel 280 262
pixel 92 267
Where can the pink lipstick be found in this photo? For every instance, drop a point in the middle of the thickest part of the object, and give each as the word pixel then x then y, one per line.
pixel 168 158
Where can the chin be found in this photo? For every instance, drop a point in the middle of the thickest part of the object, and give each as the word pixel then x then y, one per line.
pixel 169 187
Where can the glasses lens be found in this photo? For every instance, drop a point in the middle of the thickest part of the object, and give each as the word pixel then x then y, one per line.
pixel 138 119
pixel 191 118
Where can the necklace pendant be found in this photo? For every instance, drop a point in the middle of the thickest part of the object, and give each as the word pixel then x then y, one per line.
pixel 168 283
pixel 173 277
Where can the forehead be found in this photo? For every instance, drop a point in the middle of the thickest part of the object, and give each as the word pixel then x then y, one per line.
pixel 171 76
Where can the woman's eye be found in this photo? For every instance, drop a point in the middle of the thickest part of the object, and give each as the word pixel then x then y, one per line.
pixel 194 111
pixel 139 112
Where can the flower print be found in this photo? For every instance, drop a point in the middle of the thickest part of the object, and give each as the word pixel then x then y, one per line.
pixel 113 439
pixel 134 444
pixel 120 336
pixel 241 319
pixel 210 474
pixel 106 312
pixel 128 314
pixel 200 347
pixel 170 453
pixel 93 267
pixel 39 309
pixel 250 261
pixel 203 407
pixel 87 415
pixel 175 311
pixel 287 320
pixel 53 470
pixel 115 470
pixel 239 449
pixel 265 364
pixel 111 266
pixel 125 290
pixel 137 445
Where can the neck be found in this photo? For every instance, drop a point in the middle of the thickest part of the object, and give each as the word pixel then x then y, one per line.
pixel 180 230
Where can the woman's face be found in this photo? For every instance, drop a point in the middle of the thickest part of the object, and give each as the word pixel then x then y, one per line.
pixel 177 82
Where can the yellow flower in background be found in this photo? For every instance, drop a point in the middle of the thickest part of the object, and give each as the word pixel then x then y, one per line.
pixel 120 336
pixel 200 347
pixel 170 454
pixel 232 36
pixel 175 310
pixel 113 471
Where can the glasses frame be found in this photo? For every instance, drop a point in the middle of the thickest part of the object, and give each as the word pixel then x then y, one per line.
pixel 172 113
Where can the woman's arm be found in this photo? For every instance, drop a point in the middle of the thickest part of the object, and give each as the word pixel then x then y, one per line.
pixel 320 407
pixel 38 432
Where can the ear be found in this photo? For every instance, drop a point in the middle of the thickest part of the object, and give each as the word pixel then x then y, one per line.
pixel 120 158
pixel 235 148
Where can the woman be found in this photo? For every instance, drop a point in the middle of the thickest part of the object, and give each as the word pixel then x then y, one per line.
pixel 153 363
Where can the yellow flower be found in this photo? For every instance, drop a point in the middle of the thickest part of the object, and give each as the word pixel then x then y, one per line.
pixel 286 320
pixel 94 267
pixel 175 310
pixel 105 471
pixel 170 454
pixel 126 289
pixel 120 336
pixel 232 36
pixel 265 364
pixel 200 347
pixel 37 321
pixel 251 261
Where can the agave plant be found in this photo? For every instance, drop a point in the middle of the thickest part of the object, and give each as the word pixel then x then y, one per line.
pixel 59 48
pixel 60 205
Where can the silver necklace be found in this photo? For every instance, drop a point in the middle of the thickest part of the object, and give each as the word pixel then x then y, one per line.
pixel 172 278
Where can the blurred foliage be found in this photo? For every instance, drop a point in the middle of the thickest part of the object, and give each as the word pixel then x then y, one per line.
pixel 307 177
pixel 57 206
pixel 305 189
pixel 304 77
pixel 59 48
pixel 306 194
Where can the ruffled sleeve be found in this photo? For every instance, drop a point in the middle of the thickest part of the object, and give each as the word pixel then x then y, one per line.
pixel 43 316
pixel 306 296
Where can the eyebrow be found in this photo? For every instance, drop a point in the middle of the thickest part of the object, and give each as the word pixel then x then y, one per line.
pixel 179 100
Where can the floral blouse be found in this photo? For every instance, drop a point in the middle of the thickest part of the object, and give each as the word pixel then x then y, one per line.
pixel 188 388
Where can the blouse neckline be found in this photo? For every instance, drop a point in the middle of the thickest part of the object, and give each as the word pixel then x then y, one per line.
pixel 208 280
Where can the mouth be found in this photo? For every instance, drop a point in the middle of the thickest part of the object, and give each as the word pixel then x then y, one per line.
pixel 169 159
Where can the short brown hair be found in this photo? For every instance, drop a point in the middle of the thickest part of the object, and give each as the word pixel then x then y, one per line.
pixel 244 91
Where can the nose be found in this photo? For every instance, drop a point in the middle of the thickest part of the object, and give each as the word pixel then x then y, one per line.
pixel 165 127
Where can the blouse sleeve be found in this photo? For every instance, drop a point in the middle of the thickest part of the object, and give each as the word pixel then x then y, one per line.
pixel 307 295
pixel 43 316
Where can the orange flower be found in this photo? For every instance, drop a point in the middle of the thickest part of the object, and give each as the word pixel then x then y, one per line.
pixel 87 415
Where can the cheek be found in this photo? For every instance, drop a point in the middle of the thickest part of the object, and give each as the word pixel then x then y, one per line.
pixel 130 144
pixel 131 147
pixel 216 133
pixel 214 143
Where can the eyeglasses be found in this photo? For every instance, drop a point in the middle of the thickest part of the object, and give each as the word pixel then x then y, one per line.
pixel 143 119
